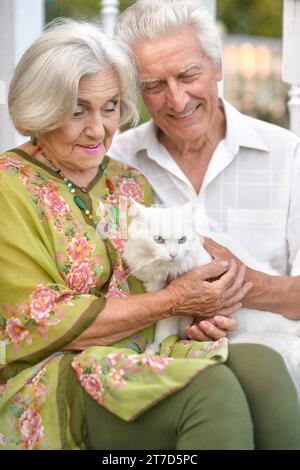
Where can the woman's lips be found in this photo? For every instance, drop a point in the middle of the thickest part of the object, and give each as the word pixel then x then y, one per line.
pixel 91 149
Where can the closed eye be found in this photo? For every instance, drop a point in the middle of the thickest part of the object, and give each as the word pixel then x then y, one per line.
pixel 160 240
pixel 79 111
pixel 111 106
pixel 182 240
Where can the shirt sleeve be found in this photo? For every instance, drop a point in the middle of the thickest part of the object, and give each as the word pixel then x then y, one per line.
pixel 293 226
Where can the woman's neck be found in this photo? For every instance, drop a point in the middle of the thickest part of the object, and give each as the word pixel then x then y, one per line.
pixel 81 178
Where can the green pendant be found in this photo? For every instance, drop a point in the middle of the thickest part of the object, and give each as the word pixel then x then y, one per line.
pixel 80 202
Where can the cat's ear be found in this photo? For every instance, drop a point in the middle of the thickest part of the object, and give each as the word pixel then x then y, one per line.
pixel 135 208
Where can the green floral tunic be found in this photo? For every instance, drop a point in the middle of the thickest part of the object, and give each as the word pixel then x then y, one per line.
pixel 56 273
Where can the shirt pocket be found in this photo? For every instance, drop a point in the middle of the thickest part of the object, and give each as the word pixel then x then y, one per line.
pixel 262 233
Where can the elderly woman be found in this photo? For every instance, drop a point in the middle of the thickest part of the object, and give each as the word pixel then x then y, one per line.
pixel 75 375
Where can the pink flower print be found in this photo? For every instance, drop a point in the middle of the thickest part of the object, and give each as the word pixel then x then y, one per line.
pixel 5 162
pixel 116 378
pixel 43 300
pixel 157 364
pixel 120 273
pixel 81 278
pixel 216 344
pixel 3 388
pixel 115 291
pixel 25 180
pixel 58 228
pixel 118 242
pixel 78 249
pixel 129 187
pixel 15 330
pixel 37 377
pixel 54 201
pixel 31 428
pixel 92 386
pixel 78 368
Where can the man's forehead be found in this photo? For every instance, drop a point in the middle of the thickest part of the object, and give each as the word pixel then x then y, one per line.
pixel 193 67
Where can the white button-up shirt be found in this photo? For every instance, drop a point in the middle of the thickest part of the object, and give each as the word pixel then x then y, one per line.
pixel 250 192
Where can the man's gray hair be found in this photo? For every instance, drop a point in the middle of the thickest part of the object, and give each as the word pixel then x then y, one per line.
pixel 149 19
pixel 44 89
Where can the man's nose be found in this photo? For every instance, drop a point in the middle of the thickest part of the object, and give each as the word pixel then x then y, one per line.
pixel 177 97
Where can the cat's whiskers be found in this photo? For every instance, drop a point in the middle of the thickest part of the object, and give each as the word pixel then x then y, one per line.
pixel 145 263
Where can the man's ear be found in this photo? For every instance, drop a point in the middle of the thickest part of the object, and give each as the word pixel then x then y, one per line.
pixel 219 72
pixel 135 208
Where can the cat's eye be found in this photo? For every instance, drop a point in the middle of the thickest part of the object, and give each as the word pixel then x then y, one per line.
pixel 159 240
pixel 182 240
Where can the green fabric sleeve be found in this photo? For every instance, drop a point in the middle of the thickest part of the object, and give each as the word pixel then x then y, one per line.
pixel 39 312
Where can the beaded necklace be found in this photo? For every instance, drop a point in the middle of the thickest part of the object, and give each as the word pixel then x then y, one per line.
pixel 79 201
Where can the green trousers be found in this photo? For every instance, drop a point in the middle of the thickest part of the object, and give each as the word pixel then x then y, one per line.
pixel 248 402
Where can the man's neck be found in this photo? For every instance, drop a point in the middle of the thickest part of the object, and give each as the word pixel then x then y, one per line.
pixel 193 157
pixel 198 148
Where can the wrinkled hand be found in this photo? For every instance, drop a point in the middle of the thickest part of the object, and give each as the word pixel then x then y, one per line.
pixel 219 252
pixel 192 293
pixel 211 329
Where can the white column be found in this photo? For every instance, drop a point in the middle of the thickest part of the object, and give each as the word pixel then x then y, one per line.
pixel 109 15
pixel 291 59
pixel 211 6
pixel 21 22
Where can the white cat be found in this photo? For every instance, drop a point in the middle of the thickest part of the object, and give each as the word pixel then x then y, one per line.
pixel 162 244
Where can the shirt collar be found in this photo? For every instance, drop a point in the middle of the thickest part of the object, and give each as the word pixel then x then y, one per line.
pixel 241 131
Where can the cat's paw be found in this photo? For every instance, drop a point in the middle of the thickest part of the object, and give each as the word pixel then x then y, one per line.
pixel 152 349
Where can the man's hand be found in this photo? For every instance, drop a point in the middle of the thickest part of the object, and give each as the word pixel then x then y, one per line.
pixel 219 252
pixel 211 329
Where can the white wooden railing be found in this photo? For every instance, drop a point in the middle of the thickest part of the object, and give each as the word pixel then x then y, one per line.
pixel 21 22
pixel 291 60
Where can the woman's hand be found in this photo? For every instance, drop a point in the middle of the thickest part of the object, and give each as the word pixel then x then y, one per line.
pixel 192 293
pixel 211 329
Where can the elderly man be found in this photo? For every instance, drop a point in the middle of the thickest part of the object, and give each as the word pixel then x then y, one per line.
pixel 242 171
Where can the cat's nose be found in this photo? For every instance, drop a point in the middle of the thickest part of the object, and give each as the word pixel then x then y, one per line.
pixel 172 254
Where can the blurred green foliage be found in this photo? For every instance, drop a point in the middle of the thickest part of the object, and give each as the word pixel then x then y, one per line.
pixel 257 17
pixel 254 17
pixel 77 8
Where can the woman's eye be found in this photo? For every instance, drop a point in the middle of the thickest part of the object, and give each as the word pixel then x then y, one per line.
pixel 111 106
pixel 182 240
pixel 78 111
pixel 160 240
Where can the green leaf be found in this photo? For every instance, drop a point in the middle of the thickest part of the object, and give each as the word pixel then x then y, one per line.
pixel 12 170
pixel 2 321
pixel 31 325
pixel 70 232
pixel 15 410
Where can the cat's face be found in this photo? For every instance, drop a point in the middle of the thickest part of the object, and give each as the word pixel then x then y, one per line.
pixel 166 234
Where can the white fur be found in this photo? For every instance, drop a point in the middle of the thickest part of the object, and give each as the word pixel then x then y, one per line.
pixel 258 321
pixel 151 262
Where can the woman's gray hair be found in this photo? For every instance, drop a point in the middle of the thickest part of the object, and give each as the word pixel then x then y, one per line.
pixel 149 19
pixel 44 89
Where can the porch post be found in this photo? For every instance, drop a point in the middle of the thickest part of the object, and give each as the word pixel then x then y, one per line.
pixel 21 22
pixel 109 15
pixel 291 62
pixel 211 6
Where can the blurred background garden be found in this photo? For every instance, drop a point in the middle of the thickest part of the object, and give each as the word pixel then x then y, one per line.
pixel 251 32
